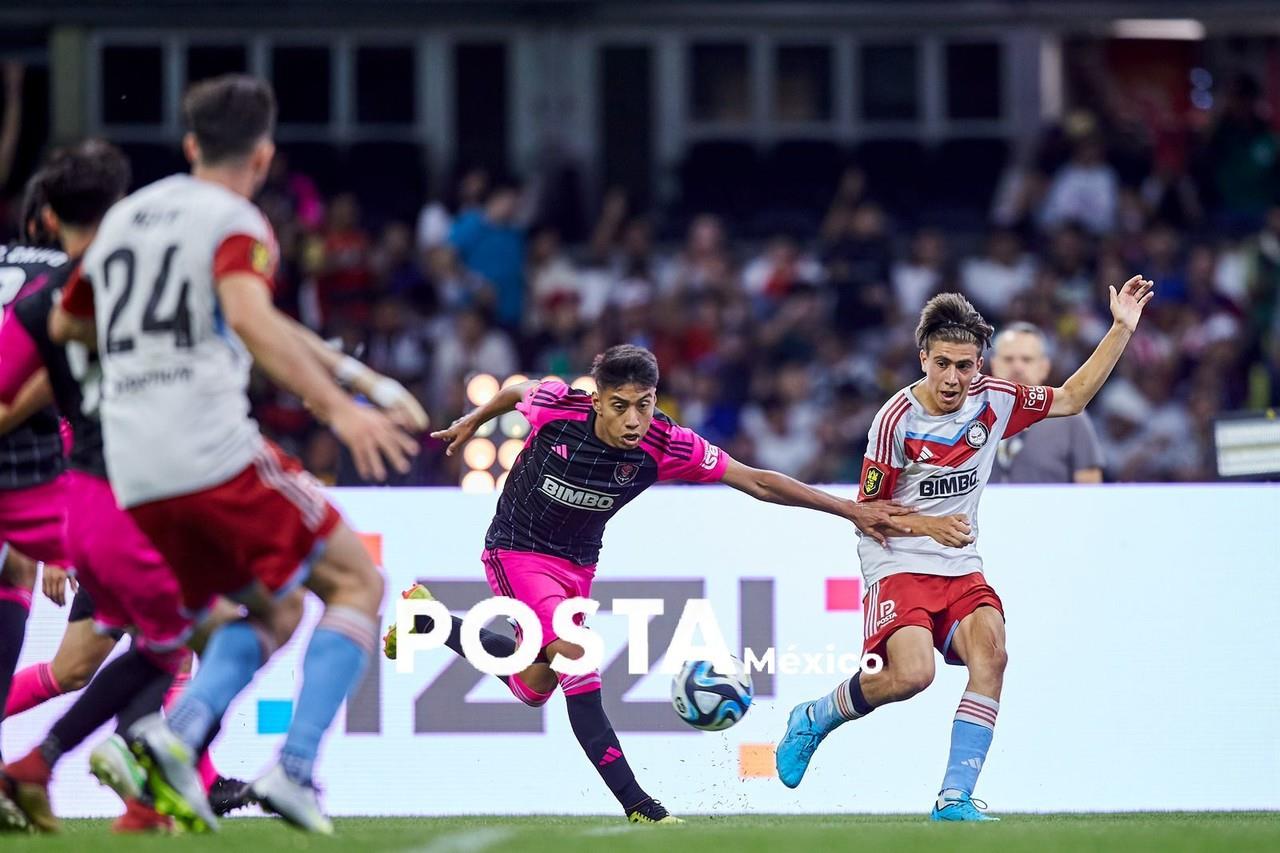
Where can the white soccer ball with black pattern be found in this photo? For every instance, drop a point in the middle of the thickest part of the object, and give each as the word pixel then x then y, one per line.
pixel 708 699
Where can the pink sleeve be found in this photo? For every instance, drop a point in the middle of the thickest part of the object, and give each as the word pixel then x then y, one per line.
pixel 553 401
pixel 685 455
pixel 19 358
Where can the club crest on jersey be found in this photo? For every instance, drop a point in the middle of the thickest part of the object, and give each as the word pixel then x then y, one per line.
pixel 976 434
pixel 872 482
pixel 625 472
pixel 260 258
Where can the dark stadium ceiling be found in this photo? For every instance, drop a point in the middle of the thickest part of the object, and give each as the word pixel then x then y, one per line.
pixel 310 13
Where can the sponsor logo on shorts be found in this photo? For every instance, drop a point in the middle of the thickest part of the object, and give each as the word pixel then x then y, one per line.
pixel 872 482
pixel 977 434
pixel 949 485
pixel 887 613
pixel 575 496
pixel 625 472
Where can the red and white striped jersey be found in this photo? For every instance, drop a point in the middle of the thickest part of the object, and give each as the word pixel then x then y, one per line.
pixel 939 465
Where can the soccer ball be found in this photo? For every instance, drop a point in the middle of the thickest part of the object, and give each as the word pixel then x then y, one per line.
pixel 708 700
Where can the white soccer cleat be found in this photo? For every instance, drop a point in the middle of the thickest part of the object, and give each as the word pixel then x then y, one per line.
pixel 171 774
pixel 296 803
pixel 113 765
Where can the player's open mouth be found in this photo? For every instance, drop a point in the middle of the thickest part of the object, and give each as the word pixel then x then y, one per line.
pixel 631 437
pixel 949 396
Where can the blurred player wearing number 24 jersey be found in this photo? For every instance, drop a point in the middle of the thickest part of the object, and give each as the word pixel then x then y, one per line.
pixel 181 273
pixel 932 447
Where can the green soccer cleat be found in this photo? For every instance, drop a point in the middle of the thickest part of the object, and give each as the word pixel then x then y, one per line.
pixel 417 591
pixel 112 764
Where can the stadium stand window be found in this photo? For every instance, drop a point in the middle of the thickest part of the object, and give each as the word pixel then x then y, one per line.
pixel 721 87
pixel 890 82
pixel 802 83
pixel 385 84
pixel 974 83
pixel 132 84
pixel 481 99
pixel 301 75
pixel 211 60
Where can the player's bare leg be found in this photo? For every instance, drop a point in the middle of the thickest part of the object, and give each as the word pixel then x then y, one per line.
pixel 79 655
pixel 908 669
pixel 979 642
pixel 351 587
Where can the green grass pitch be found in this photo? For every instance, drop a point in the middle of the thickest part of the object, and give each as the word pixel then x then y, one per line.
pixel 1132 833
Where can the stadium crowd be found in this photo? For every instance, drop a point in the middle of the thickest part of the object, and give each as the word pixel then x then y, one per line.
pixel 781 349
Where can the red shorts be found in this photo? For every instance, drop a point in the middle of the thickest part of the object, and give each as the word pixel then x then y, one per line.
pixel 931 601
pixel 265 524
pixel 540 581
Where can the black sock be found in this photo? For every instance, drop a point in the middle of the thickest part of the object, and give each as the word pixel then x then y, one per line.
pixel 860 703
pixel 600 743
pixel 13 628
pixel 147 700
pixel 110 691
pixel 494 643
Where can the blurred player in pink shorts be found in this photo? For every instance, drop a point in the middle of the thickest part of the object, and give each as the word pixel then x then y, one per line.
pixel 586 457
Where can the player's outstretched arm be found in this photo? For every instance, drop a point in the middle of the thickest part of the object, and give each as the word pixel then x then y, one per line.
pixel 385 392
pixel 1126 310
pixel 464 427
pixel 775 488
pixel 371 436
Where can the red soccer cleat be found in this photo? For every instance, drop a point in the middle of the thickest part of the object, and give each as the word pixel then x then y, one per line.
pixel 29 777
pixel 140 817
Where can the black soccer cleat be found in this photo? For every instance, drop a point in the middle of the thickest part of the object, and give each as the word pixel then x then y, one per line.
pixel 652 811
pixel 226 795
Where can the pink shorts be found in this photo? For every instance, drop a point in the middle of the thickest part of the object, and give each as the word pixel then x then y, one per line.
pixel 538 580
pixel 32 521
pixel 128 580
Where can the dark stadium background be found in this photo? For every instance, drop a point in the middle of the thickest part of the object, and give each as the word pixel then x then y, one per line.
pixel 762 192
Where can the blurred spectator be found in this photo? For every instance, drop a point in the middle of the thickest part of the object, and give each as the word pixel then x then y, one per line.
pixel 342 265
pixel 290 196
pixel 11 120
pixel 1084 191
pixel 923 274
pixel 858 268
pixel 468 344
pixel 1245 157
pixel 398 272
pixel 436 218
pixel 992 281
pixel 851 192
pixel 701 262
pixel 1056 450
pixel 776 272
pixel 490 244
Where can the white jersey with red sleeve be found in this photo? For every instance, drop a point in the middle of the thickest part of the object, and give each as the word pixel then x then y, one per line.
pixel 939 465
pixel 175 410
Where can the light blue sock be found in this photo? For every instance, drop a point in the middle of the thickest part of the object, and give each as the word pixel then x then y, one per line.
pixel 971 733
pixel 229 662
pixel 334 663
pixel 841 705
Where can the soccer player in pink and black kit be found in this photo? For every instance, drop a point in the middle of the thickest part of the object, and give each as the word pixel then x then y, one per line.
pixel 586 457
pixel 932 447
pixel 181 273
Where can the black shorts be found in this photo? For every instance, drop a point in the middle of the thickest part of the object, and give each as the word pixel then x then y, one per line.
pixel 81 607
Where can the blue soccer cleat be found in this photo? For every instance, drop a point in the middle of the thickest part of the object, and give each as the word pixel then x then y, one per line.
pixel 962 808
pixel 798 745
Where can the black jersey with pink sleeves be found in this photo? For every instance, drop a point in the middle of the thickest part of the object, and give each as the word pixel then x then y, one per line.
pixel 567 483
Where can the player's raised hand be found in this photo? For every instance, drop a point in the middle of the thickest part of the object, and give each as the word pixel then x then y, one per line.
pixel 401 406
pixel 372 438
pixel 457 434
pixel 1127 304
pixel 871 517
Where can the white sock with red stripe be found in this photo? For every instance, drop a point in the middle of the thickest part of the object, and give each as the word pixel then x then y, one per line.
pixel 971 734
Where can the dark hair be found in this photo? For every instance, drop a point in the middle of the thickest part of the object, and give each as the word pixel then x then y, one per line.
pixel 229 115
pixel 31 222
pixel 82 181
pixel 952 318
pixel 625 364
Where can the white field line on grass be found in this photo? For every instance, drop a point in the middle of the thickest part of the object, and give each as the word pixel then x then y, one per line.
pixel 470 841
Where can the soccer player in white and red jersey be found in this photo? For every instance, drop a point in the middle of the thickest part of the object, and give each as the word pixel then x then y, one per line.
pixel 931 447
pixel 181 274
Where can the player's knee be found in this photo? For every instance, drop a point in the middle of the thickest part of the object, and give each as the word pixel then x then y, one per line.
pixel 74 674
pixel 913 679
